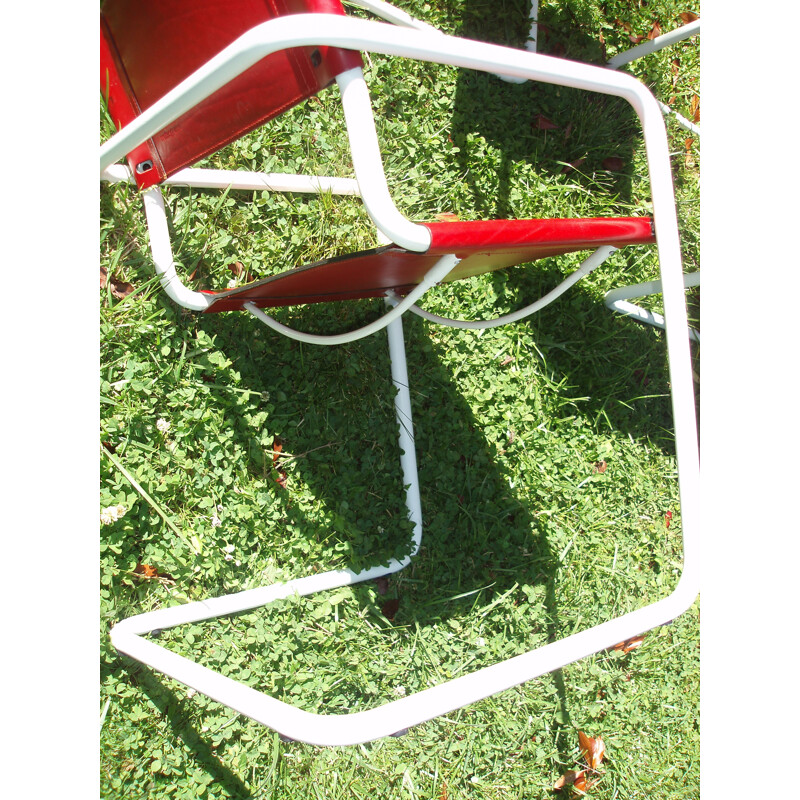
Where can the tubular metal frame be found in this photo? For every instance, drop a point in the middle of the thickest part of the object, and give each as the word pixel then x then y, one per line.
pixel 318 29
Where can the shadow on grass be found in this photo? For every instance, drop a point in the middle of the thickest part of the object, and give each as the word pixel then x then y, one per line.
pixel 177 715
pixel 335 404
pixel 476 531
pixel 546 126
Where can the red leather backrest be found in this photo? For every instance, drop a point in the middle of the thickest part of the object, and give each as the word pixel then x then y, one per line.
pixel 149 46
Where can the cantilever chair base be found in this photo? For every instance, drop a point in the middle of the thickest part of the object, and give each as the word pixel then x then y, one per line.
pixel 318 30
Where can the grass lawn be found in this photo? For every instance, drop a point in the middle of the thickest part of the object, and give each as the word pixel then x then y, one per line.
pixel 545 448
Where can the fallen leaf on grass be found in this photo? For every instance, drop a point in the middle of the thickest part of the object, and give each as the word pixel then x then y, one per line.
pixel 694 108
pixel 668 518
pixel 119 289
pixel 655 31
pixel 145 571
pixel 675 66
pixel 389 608
pixel 613 164
pixel 629 644
pixel 575 779
pixel 571 165
pixel 593 750
pixel 599 466
pixel 277 448
pixel 447 217
pixel 688 16
pixel 544 124
pixel 689 156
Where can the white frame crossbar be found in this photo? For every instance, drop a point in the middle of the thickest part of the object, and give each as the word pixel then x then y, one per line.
pixel 129 635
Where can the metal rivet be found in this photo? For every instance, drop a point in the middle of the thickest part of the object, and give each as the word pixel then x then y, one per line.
pixel 316 58
pixel 144 166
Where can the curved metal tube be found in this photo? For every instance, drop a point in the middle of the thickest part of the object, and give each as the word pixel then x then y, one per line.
pixel 592 262
pixel 435 274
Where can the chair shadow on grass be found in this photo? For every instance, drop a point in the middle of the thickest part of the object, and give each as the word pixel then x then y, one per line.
pixel 583 136
pixel 476 532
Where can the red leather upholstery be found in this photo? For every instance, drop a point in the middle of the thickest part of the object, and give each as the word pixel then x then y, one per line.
pixel 483 246
pixel 149 46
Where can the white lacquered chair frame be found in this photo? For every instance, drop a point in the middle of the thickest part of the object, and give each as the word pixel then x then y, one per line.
pixel 128 635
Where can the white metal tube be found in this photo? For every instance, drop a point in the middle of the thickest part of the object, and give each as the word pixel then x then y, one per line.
pixel 681 120
pixel 299 30
pixel 402 406
pixel 645 48
pixel 367 163
pixel 255 181
pixel 690 279
pixel 616 300
pixel 392 14
pixel 590 263
pixel 161 248
pixel 532 41
pixel 435 274
pixel 116 173
pixel 201 178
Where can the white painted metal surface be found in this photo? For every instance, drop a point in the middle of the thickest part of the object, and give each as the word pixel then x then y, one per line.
pixel 616 300
pixel 161 248
pixel 368 165
pixel 392 14
pixel 194 178
pixel 653 45
pixel 434 275
pixel 301 30
pixel 589 264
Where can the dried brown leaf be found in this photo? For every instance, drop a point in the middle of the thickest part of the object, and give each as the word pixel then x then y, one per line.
pixel 599 466
pixel 571 778
pixel 694 108
pixel 544 124
pixel 592 749
pixel 629 644
pixel 145 571
pixel 447 217
pixel 655 31
pixel 389 608
pixel 613 164
pixel 571 165
pixel 120 289
pixel 688 16
pixel 689 160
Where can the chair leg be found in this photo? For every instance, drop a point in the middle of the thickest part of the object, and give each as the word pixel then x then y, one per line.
pixel 616 300
pixel 127 635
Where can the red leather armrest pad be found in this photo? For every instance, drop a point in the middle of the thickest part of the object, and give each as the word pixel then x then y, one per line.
pixel 465 238
pixel 150 46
